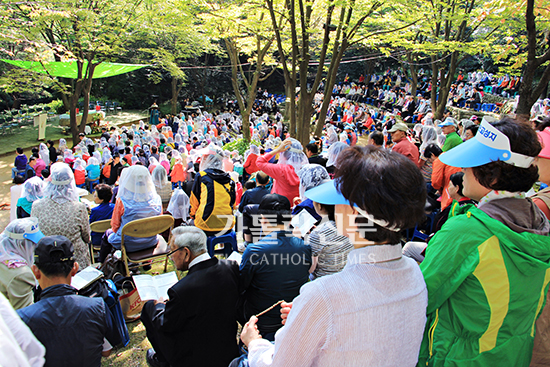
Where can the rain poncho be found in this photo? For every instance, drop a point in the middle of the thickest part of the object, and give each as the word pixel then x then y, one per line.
pixel 159 176
pixel 62 145
pixel 140 200
pixel 311 175
pixel 44 154
pixel 16 251
pixel 106 155
pixel 153 163
pixel 332 135
pixel 32 190
pixel 16 258
pixel 60 186
pixel 68 156
pixel 334 151
pixel 179 205
pixel 294 156
pixel 429 136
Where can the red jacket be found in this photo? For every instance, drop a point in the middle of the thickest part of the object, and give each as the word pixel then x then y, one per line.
pixel 250 165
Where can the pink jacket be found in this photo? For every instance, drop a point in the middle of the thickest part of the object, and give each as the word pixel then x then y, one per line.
pixel 286 182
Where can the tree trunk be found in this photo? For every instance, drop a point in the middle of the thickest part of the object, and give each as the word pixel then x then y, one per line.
pixel 83 85
pixel 529 91
pixel 174 99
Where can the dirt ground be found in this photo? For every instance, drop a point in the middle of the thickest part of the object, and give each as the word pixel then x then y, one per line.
pixel 6 164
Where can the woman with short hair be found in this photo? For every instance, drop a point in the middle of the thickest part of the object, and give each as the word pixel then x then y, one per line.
pixel 487 268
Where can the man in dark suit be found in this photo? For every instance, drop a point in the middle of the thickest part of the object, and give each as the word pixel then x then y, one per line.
pixel 197 326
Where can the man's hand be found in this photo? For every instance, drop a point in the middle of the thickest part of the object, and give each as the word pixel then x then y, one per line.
pixel 285 310
pixel 250 331
pixel 160 300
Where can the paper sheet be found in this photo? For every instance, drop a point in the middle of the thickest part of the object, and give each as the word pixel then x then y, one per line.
pixel 86 277
pixel 303 221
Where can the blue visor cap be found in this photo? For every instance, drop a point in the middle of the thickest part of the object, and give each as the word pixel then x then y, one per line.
pixel 489 145
pixel 446 123
pixel 327 194
pixel 34 237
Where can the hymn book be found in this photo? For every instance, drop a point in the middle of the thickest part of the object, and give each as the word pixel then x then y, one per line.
pixel 154 287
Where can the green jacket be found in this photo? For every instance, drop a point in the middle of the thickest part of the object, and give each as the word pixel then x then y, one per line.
pixel 486 287
pixel 451 141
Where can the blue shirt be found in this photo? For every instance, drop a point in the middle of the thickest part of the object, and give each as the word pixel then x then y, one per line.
pixel 93 171
pixel 100 212
pixel 253 196
pixel 273 269
pixel 21 162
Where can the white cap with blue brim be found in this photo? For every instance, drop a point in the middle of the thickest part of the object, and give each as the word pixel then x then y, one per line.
pixel 489 145
pixel 328 194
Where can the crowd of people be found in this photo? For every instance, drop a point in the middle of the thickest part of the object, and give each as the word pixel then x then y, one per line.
pixel 327 275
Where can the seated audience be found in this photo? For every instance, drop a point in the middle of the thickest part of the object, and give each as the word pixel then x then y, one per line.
pixel 200 311
pixel 313 157
pixel 73 328
pixel 329 248
pixel 402 144
pixel 255 195
pixel 162 185
pixel 19 345
pixel 20 163
pixel 311 175
pixel 376 286
pixel 285 171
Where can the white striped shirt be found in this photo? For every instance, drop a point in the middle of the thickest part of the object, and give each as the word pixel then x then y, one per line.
pixel 371 314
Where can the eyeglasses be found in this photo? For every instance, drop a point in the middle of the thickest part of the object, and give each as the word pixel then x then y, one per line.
pixel 174 251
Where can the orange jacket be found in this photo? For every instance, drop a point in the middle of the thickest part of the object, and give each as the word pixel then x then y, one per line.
pixel 178 174
pixel 441 175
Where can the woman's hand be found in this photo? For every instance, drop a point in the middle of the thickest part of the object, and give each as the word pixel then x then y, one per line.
pixel 250 331
pixel 284 146
pixel 285 310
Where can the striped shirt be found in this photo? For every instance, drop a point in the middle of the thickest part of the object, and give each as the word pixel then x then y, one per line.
pixel 331 248
pixel 372 313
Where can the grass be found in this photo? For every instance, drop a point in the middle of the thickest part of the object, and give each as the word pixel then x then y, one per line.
pixel 27 137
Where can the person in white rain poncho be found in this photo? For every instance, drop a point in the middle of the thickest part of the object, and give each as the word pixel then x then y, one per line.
pixel 31 192
pixel 17 244
pixel 136 199
pixel 60 213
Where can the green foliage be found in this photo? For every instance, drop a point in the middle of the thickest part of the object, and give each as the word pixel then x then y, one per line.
pixel 240 145
pixel 165 108
pixel 57 106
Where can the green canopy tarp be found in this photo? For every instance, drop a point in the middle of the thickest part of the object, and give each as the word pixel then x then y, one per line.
pixel 69 69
